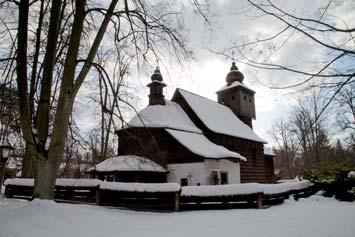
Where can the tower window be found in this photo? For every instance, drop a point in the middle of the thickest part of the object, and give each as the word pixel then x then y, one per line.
pixel 233 97
pixel 250 100
pixel 245 98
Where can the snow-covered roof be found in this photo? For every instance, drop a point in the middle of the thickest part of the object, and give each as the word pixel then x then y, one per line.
pixel 200 145
pixel 268 151
pixel 128 163
pixel 219 118
pixel 234 84
pixel 170 115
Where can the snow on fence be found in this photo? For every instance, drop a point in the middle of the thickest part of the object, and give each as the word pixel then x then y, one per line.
pixel 242 195
pixel 59 182
pixel 140 196
pixel 141 187
pixel 77 190
pixel 243 189
pixel 165 196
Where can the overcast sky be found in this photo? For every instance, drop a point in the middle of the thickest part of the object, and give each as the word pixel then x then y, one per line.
pixel 206 74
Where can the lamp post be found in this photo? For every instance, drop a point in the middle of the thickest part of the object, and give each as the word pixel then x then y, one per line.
pixel 4 156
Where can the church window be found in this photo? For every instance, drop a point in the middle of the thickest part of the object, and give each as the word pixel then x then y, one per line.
pixel 245 98
pixel 233 97
pixel 250 100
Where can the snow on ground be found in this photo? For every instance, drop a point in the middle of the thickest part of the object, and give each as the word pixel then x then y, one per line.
pixel 314 216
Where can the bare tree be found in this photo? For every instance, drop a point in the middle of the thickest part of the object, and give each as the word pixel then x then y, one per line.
pixel 70 41
pixel 325 35
pixel 346 111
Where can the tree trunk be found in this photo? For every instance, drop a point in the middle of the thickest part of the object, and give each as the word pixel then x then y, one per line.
pixel 47 164
pixel 28 163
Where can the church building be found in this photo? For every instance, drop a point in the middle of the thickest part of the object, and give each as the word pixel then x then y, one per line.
pixel 199 141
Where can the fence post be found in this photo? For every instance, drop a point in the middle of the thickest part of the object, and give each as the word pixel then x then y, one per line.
pixel 7 193
pixel 260 200
pixel 98 201
pixel 177 201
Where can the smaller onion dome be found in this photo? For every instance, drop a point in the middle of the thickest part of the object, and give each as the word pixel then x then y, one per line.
pixel 234 75
pixel 157 75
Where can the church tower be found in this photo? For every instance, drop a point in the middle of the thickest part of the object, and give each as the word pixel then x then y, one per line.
pixel 237 96
pixel 156 96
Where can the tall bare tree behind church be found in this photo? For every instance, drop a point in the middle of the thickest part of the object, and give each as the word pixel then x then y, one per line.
pixel 53 52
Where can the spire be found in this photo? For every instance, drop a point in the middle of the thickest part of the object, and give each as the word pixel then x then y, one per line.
pixel 234 75
pixel 156 75
pixel 234 67
pixel 156 96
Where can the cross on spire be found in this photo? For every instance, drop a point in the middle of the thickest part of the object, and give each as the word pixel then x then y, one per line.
pixel 233 56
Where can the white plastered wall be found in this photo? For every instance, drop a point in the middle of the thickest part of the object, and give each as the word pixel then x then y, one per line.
pixel 201 172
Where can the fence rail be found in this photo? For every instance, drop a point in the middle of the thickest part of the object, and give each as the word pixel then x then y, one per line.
pixel 68 190
pixel 164 201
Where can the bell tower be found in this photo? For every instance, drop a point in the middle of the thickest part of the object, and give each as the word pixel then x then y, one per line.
pixel 156 96
pixel 237 96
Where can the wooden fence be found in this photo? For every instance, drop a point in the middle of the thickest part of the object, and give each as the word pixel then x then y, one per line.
pixel 63 193
pixel 254 200
pixel 162 201
pixel 161 197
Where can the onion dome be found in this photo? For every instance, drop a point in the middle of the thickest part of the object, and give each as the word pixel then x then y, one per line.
pixel 234 75
pixel 157 75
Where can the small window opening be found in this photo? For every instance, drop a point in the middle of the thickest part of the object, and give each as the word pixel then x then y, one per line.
pixel 184 182
pixel 245 98
pixel 214 178
pixel 224 177
pixel 233 97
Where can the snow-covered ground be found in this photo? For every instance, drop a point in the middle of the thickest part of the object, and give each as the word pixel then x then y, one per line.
pixel 314 216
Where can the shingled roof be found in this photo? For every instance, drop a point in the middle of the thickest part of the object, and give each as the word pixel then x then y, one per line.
pixel 217 117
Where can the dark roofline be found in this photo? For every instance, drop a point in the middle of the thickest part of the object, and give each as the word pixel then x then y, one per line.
pixel 243 87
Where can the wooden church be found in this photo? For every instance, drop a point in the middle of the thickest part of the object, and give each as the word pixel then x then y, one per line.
pixel 199 141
